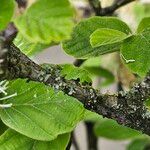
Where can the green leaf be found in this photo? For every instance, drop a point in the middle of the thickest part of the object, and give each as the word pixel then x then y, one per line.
pixel 39 112
pixel 6 12
pixel 72 72
pixel 11 140
pixel 46 21
pixel 105 36
pixel 139 144
pixel 27 47
pixel 135 52
pixel 79 45
pixel 111 130
pixel 94 61
pixel 3 127
pixel 101 72
pixel 92 116
pixel 144 24
pixel 141 11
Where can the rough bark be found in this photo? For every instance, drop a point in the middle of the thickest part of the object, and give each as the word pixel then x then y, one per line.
pixel 126 108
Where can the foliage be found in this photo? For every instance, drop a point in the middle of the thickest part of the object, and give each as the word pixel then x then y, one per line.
pixel 35 111
pixel 6 12
pixel 46 26
pixel 36 116
pixel 15 141
pixel 111 130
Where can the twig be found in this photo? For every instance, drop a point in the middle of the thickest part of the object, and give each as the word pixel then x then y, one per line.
pixel 95 4
pixel 91 138
pixel 117 4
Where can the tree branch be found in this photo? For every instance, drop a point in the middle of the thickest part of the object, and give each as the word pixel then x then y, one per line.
pixel 126 108
pixel 95 4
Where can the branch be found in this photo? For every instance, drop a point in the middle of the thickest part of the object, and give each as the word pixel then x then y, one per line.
pixel 95 4
pixel 126 108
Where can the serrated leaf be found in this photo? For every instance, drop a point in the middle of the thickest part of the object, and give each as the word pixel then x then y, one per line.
pixel 28 47
pixel 79 45
pixel 6 12
pixel 46 21
pixel 111 130
pixel 135 52
pixel 11 140
pixel 105 36
pixel 71 72
pixel 144 24
pixel 39 112
pixel 139 144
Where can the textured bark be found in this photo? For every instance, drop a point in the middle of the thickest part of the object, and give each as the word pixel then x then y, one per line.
pixel 126 108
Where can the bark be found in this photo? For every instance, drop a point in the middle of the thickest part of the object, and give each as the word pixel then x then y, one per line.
pixel 127 108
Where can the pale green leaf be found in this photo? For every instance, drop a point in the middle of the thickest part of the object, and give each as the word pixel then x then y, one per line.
pixel 105 36
pixel 111 130
pixel 144 24
pixel 6 12
pixel 46 21
pixel 11 140
pixel 139 144
pixel 101 72
pixel 27 47
pixel 71 72
pixel 39 112
pixel 79 45
pixel 135 52
pixel 141 11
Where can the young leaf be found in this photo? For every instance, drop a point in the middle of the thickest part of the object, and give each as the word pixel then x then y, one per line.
pixel 144 24
pixel 6 12
pixel 111 130
pixel 79 45
pixel 11 140
pixel 105 36
pixel 139 144
pixel 39 112
pixel 27 47
pixel 135 52
pixel 72 72
pixel 46 21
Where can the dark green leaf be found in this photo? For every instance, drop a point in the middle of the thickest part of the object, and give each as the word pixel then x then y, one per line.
pixel 3 127
pixel 135 52
pixel 39 112
pixel 46 21
pixel 79 44
pixel 111 130
pixel 6 12
pixel 105 36
pixel 11 140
